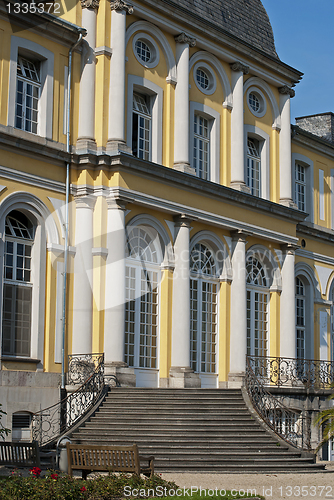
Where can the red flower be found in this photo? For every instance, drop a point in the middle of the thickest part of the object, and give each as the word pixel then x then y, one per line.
pixel 83 489
pixel 54 476
pixel 36 471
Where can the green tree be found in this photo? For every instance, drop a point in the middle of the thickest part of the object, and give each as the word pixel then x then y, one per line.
pixel 325 420
pixel 3 430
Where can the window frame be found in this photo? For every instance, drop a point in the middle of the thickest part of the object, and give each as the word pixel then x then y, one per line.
pixel 147 118
pixel 23 47
pixel 263 138
pixel 214 123
pixel 143 86
pixel 309 181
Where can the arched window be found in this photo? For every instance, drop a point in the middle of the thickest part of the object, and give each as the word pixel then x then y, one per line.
pixel 203 310
pixel 257 308
pixel 142 298
pixel 17 288
pixel 253 171
pixel 300 318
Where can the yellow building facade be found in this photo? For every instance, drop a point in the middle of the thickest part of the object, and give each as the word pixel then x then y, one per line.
pixel 200 225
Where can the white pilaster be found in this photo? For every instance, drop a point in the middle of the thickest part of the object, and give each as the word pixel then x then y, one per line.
pixel 181 375
pixel 238 325
pixel 86 132
pixel 237 128
pixel 114 318
pixel 181 114
pixel 286 197
pixel 83 276
pixel 116 122
pixel 287 305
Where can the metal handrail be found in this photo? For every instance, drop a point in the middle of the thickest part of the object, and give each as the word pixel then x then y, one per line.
pixel 52 422
pixel 292 426
pixel 293 372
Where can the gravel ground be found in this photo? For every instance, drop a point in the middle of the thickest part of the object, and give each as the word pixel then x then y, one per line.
pixel 315 486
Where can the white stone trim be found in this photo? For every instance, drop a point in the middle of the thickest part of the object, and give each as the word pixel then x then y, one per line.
pixel 221 254
pixel 304 269
pixel 312 295
pixel 308 164
pixel 103 51
pixel 100 252
pixel 59 311
pixel 214 118
pixel 266 256
pixel 165 244
pixel 321 194
pixel 258 83
pixel 264 140
pixel 262 99
pixel 163 42
pixel 156 95
pixel 45 103
pixel 31 179
pixel 332 198
pixel 204 216
pixel 152 45
pixel 212 79
pixel 202 55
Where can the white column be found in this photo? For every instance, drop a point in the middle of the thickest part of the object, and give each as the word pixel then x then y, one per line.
pixel 114 319
pixel 83 276
pixel 286 197
pixel 116 122
pixel 237 128
pixel 181 118
pixel 181 375
pixel 287 305
pixel 238 325
pixel 86 132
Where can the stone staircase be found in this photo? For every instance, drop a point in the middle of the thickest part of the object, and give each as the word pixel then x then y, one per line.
pixel 198 430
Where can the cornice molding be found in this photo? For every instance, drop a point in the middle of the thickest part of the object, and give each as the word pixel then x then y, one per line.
pixel 239 66
pixel 184 38
pixel 32 180
pixel 318 232
pixel 120 5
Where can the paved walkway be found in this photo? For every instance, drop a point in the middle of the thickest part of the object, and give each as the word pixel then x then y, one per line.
pixel 309 486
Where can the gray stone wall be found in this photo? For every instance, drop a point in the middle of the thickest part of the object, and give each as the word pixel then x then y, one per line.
pixel 320 125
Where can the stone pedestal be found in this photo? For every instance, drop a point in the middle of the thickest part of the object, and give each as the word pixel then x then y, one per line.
pixel 183 378
pixel 125 374
pixel 236 380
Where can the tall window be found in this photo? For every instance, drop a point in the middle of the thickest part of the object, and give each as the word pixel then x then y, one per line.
pixel 332 323
pixel 300 187
pixel 203 310
pixel 300 318
pixel 141 127
pixel 253 173
pixel 202 147
pixel 17 291
pixel 27 95
pixel 257 308
pixel 142 300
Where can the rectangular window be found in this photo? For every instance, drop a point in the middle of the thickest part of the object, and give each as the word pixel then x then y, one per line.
pixel 141 127
pixel 321 195
pixel 202 147
pixel 16 320
pixel 300 187
pixel 253 173
pixel 27 95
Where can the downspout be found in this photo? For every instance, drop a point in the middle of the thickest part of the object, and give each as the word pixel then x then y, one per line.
pixel 67 197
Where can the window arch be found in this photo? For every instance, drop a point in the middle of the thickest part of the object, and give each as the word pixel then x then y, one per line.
pixel 257 307
pixel 203 309
pixel 17 285
pixel 304 316
pixel 143 259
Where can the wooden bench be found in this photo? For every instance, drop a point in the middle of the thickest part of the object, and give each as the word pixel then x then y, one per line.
pixel 24 455
pixel 19 454
pixel 90 458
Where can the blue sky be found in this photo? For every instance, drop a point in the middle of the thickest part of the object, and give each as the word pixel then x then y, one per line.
pixel 303 31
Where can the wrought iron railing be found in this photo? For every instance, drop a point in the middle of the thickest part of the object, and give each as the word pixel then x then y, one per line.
pixel 293 426
pixel 81 367
pixel 49 424
pixel 292 372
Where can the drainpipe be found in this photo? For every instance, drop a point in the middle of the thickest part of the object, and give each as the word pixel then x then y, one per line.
pixel 67 196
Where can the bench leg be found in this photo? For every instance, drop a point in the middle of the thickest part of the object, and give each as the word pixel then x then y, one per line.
pixel 85 473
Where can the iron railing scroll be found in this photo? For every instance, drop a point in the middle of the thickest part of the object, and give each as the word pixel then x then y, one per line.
pixel 293 426
pixel 292 372
pixel 49 424
pixel 81 367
